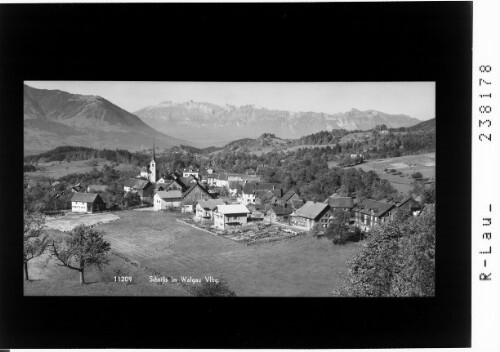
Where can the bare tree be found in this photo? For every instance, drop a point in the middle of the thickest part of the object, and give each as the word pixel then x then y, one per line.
pixel 84 247
pixel 35 240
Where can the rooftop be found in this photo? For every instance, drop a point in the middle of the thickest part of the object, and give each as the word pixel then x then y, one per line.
pixel 232 209
pixel 169 194
pixel 84 197
pixel 340 202
pixel 210 204
pixel 311 210
pixel 379 208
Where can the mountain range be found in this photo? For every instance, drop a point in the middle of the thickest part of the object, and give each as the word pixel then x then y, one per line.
pixel 218 125
pixel 54 118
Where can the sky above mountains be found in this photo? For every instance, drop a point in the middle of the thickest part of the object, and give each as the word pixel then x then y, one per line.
pixel 416 99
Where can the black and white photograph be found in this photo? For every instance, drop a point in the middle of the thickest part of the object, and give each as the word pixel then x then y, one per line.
pixel 229 188
pixel 285 175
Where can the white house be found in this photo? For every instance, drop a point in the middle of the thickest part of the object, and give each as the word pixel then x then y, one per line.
pixel 86 203
pixel 230 215
pixel 221 180
pixel 191 171
pixel 165 199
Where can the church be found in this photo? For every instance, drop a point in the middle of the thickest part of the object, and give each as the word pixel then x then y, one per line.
pixel 150 172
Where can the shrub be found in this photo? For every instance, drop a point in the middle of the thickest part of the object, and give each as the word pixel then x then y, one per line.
pixel 416 175
pixel 212 289
pixel 397 260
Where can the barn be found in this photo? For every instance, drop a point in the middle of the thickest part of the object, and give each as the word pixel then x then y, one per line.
pixel 143 188
pixel 166 199
pixel 87 203
pixel 192 195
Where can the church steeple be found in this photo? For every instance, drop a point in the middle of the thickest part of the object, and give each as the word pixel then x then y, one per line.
pixel 152 166
pixel 154 149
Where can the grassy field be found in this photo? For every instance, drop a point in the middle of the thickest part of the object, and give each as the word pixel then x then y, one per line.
pixel 49 279
pixel 146 242
pixel 424 163
pixel 56 169
pixel 302 266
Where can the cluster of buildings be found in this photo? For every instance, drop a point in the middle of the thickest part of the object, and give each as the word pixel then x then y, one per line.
pixel 192 191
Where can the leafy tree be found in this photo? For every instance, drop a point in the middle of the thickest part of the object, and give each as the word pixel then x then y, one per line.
pixel 223 192
pixel 426 192
pixel 83 248
pixel 131 199
pixel 338 229
pixel 35 239
pixel 212 289
pixel 398 260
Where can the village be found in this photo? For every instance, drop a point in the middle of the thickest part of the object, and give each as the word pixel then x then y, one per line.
pixel 241 206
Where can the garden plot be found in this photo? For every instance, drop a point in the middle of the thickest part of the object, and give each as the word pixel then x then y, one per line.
pixel 248 234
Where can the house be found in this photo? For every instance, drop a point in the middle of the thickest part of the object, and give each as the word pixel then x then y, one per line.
pixel 166 199
pixel 221 180
pixel 248 192
pixel 192 195
pixel 205 208
pixel 369 213
pixel 87 203
pixel 266 197
pixel 143 188
pixel 408 205
pixel 278 212
pixel 191 171
pixel 230 215
pixel 161 186
pixel 212 179
pixel 288 198
pixel 235 188
pixel 76 188
pixel 311 214
pixel 176 184
pixel 344 203
pixel 97 188
pixel 189 180
pixel 296 204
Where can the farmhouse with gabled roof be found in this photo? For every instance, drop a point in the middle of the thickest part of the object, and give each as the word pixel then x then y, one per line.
pixel 205 208
pixel 230 215
pixel 192 195
pixel 369 213
pixel 86 203
pixel 166 199
pixel 312 213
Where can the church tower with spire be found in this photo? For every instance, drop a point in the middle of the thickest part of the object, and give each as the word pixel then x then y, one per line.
pixel 152 166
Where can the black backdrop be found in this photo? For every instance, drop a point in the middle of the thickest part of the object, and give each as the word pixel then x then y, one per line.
pixel 243 42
